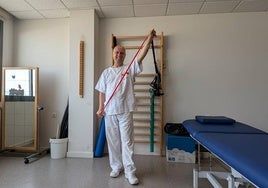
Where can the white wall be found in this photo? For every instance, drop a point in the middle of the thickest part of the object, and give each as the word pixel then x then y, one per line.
pixel 83 26
pixel 214 64
pixel 45 44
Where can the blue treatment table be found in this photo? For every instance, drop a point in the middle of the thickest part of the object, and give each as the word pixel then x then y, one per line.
pixel 240 146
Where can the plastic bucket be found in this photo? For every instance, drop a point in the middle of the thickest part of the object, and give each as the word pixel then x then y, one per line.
pixel 58 148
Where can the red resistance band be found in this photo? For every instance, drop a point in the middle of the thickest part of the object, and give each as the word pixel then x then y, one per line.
pixel 125 73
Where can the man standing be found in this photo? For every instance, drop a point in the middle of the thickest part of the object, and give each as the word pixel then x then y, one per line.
pixel 118 109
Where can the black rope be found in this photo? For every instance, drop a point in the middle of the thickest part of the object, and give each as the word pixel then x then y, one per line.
pixel 114 42
pixel 156 83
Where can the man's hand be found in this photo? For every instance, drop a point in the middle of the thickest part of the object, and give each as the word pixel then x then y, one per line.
pixel 152 33
pixel 100 113
pixel 146 45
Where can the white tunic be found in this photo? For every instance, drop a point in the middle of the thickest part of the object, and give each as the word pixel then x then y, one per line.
pixel 123 100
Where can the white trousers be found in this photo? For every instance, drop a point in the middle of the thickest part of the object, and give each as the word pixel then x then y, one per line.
pixel 120 139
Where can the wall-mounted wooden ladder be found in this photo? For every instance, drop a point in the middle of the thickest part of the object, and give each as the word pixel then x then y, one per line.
pixel 142 115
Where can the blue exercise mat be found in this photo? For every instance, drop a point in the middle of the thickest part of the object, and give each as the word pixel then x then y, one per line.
pixel 99 149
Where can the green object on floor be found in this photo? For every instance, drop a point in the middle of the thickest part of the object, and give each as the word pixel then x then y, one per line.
pixel 152 121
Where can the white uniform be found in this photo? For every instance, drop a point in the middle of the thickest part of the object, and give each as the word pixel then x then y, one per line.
pixel 118 114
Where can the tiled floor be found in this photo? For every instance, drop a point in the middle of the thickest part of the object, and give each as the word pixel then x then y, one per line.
pixel 152 171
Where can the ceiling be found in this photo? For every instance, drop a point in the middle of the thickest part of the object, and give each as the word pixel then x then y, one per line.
pixel 47 9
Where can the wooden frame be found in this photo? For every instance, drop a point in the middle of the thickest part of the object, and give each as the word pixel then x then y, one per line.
pixel 141 116
pixel 30 103
pixel 81 69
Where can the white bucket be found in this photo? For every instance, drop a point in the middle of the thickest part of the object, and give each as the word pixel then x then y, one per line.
pixel 58 148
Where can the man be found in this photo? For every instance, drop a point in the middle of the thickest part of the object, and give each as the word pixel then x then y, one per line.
pixel 120 104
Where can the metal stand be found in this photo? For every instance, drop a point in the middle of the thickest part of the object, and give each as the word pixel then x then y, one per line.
pixel 233 178
pixel 39 152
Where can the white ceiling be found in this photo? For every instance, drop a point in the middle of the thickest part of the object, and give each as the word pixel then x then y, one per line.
pixel 46 9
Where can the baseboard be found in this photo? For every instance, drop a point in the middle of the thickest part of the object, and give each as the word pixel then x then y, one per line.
pixel 73 154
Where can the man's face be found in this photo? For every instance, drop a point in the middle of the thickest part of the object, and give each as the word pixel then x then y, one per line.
pixel 119 54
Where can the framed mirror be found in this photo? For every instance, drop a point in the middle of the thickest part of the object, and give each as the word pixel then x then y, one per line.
pixel 19 108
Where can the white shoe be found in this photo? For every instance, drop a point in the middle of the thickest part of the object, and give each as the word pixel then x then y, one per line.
pixel 132 179
pixel 115 173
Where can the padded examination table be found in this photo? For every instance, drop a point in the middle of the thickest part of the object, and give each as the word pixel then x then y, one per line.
pixel 194 127
pixel 240 146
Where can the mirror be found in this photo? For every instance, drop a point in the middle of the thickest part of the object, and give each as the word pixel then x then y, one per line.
pixel 19 108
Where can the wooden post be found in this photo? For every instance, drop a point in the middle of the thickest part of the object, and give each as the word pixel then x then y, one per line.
pixel 81 70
